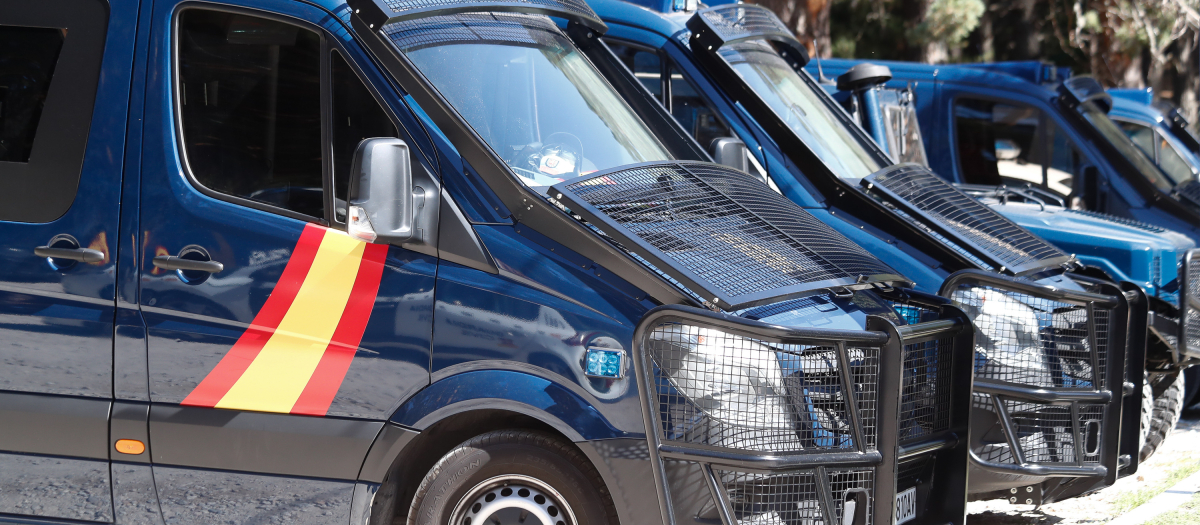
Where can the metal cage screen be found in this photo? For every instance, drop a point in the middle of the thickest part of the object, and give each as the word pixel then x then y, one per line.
pixel 1000 239
pixel 719 230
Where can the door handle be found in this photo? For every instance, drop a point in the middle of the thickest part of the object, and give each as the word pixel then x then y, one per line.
pixel 87 255
pixel 171 262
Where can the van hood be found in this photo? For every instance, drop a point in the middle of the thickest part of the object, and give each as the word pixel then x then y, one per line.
pixel 1127 250
pixel 1065 227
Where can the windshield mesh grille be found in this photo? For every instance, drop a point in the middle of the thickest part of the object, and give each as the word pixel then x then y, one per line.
pixel 719 230
pixel 739 21
pixel 577 7
pixel 993 235
pixel 470 28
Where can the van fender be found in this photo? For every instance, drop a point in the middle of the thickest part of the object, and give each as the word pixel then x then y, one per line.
pixel 548 400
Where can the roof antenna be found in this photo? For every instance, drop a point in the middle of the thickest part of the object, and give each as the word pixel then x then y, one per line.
pixel 821 79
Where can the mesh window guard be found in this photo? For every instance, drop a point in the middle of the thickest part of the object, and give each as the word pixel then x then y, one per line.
pixel 719 232
pixel 987 233
pixel 377 13
pixel 734 22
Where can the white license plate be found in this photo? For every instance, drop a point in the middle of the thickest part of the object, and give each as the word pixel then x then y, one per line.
pixel 906 505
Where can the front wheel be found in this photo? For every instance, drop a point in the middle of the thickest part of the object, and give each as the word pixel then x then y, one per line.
pixel 1164 412
pixel 513 477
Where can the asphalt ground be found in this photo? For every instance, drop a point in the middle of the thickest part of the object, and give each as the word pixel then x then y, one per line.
pixel 1177 459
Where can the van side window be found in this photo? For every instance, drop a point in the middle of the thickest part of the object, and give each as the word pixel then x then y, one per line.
pixel 681 97
pixel 645 64
pixel 1159 150
pixel 1141 135
pixel 27 59
pixel 693 112
pixel 250 104
pixel 356 116
pixel 1012 144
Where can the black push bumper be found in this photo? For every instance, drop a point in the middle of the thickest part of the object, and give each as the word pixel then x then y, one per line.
pixel 869 414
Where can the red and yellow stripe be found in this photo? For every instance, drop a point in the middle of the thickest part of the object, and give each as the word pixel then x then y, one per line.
pixel 295 354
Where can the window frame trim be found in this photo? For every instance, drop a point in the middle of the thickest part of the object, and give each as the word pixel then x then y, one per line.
pixel 177 108
pixel 59 131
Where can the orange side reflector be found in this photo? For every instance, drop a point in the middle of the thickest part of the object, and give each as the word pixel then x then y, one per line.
pixel 130 446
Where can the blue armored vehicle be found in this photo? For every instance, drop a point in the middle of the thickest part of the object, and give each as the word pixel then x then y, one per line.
pixel 732 76
pixel 1025 126
pixel 275 261
pixel 1110 247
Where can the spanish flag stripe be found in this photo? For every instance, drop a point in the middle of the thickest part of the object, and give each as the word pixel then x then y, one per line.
pixel 331 370
pixel 274 380
pixel 238 359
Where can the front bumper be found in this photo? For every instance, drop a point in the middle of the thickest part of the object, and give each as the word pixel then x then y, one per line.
pixel 1052 409
pixel 873 415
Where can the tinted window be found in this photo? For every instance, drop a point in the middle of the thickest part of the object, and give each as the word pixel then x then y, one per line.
pixel 250 96
pixel 1141 135
pixel 1172 162
pixel 1012 144
pixel 684 102
pixel 356 116
pixel 646 66
pixel 693 113
pixel 27 59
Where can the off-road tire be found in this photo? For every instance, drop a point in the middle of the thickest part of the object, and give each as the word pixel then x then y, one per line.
pixel 553 461
pixel 1168 404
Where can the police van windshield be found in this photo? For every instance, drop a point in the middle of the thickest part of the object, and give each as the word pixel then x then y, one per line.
pixel 532 96
pixel 799 104
pixel 1124 146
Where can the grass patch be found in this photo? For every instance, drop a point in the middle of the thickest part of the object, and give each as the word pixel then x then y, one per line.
pixel 1186 514
pixel 1131 500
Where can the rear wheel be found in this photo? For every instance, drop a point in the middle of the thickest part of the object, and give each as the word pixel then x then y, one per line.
pixel 513 477
pixel 1168 404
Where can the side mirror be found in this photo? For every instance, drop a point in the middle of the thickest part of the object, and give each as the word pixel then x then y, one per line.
pixel 383 203
pixel 729 151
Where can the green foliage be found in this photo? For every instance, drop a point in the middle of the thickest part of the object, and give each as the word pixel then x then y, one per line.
pixel 948 21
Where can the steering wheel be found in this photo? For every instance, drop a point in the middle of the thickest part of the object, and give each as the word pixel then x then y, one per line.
pixel 560 154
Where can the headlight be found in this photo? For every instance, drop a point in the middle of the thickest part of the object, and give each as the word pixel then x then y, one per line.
pixel 736 382
pixel 730 391
pixel 1008 341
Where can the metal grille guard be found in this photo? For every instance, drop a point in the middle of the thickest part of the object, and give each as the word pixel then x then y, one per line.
pixel 1188 345
pixel 378 13
pixel 863 468
pixel 1106 390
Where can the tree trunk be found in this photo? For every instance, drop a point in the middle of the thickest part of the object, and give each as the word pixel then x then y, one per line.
pixel 817 26
pixel 987 37
pixel 808 19
pixel 914 13
pixel 1028 41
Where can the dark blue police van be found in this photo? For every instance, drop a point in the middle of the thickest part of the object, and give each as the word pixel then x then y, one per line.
pixel 1047 416
pixel 274 261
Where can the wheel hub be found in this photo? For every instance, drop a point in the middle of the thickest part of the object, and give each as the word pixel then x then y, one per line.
pixel 512 500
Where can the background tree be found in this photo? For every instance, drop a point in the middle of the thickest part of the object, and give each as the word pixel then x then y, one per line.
pixel 1123 43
